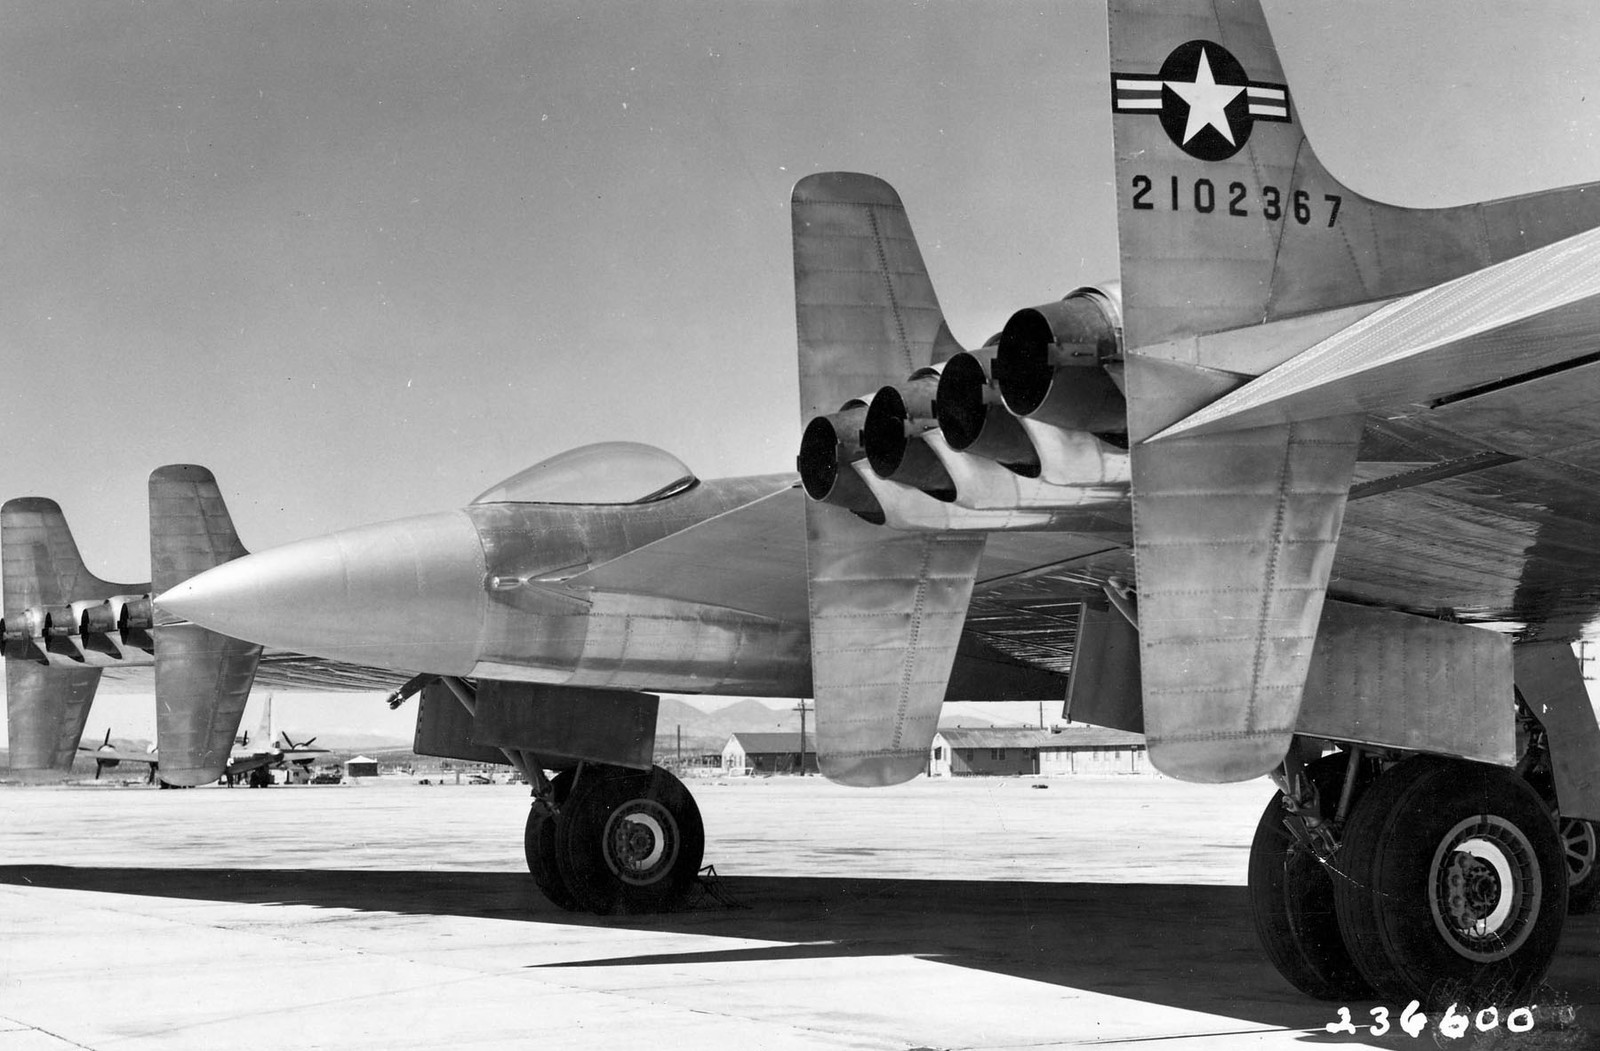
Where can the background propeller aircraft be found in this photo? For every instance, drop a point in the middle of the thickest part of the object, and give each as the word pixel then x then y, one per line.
pixel 1308 493
pixel 269 751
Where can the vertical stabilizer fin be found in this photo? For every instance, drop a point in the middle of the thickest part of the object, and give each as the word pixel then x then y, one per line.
pixel 203 679
pixel 46 710
pixel 202 683
pixel 1234 537
pixel 39 559
pixel 886 608
pixel 267 732
pixel 863 300
pixel 1228 220
pixel 1226 216
pixel 46 706
pixel 190 528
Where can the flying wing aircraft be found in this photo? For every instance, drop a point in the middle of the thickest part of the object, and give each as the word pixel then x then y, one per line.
pixel 1308 494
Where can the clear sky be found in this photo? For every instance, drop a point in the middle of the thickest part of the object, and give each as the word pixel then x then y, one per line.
pixel 367 259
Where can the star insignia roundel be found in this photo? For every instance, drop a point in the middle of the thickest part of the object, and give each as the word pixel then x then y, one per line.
pixel 1206 103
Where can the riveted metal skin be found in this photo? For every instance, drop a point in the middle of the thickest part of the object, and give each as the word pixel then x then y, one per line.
pixel 202 683
pixel 1234 539
pixel 1188 273
pixel 202 678
pixel 973 418
pixel 484 591
pixel 886 607
pixel 1050 363
pixel 829 445
pixel 896 419
pixel 48 690
pixel 1534 312
pixel 1396 680
pixel 886 615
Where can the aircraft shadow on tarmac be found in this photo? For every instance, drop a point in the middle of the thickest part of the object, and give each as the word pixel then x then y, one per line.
pixel 1180 945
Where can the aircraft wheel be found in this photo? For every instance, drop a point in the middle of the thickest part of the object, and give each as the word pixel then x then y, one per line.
pixel 1581 841
pixel 1454 884
pixel 629 841
pixel 539 845
pixel 1291 899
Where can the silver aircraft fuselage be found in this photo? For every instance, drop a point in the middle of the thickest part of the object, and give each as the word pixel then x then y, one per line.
pixel 482 591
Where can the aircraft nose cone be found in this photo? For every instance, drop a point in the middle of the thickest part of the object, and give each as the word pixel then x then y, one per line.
pixel 407 595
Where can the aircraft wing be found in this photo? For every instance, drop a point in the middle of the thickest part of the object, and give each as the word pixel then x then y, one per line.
pixel 282 669
pixel 753 558
pixel 1492 329
pixel 1480 446
pixel 120 756
pixel 243 764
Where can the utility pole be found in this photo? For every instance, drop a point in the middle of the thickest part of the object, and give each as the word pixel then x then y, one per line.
pixel 802 709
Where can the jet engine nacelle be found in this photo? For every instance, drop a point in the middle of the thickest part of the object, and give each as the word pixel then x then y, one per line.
pixel 95 618
pixel 828 448
pixel 110 615
pixel 55 621
pixel 891 435
pixel 135 614
pixel 973 418
pixel 1050 363
pixel 20 627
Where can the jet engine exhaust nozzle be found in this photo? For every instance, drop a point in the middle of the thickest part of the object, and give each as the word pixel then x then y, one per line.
pixel 892 437
pixel 973 419
pixel 828 447
pixel 1049 366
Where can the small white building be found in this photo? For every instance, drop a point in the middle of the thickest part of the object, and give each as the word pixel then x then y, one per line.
pixel 770 753
pixel 361 766
pixel 1000 751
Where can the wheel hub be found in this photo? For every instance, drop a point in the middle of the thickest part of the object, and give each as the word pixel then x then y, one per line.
pixel 1581 847
pixel 1486 888
pixel 641 841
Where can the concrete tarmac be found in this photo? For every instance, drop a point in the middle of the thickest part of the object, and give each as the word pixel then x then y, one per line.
pixel 982 913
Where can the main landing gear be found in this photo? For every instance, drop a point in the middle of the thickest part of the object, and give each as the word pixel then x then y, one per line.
pixel 1430 879
pixel 610 840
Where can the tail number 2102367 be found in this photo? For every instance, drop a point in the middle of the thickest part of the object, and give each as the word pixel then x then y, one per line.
pixel 1206 198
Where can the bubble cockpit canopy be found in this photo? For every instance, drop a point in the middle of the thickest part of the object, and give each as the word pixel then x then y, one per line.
pixel 603 473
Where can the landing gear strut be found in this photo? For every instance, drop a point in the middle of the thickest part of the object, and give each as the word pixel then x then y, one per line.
pixel 1291 888
pixel 616 841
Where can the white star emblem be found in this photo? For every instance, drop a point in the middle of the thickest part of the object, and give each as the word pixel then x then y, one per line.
pixel 1208 101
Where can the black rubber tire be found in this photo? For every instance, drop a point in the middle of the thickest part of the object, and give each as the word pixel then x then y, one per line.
pixel 539 846
pixel 1291 900
pixel 1397 909
pixel 1581 845
pixel 629 842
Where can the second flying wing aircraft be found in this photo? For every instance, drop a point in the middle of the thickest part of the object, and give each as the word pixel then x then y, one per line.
pixel 1310 494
